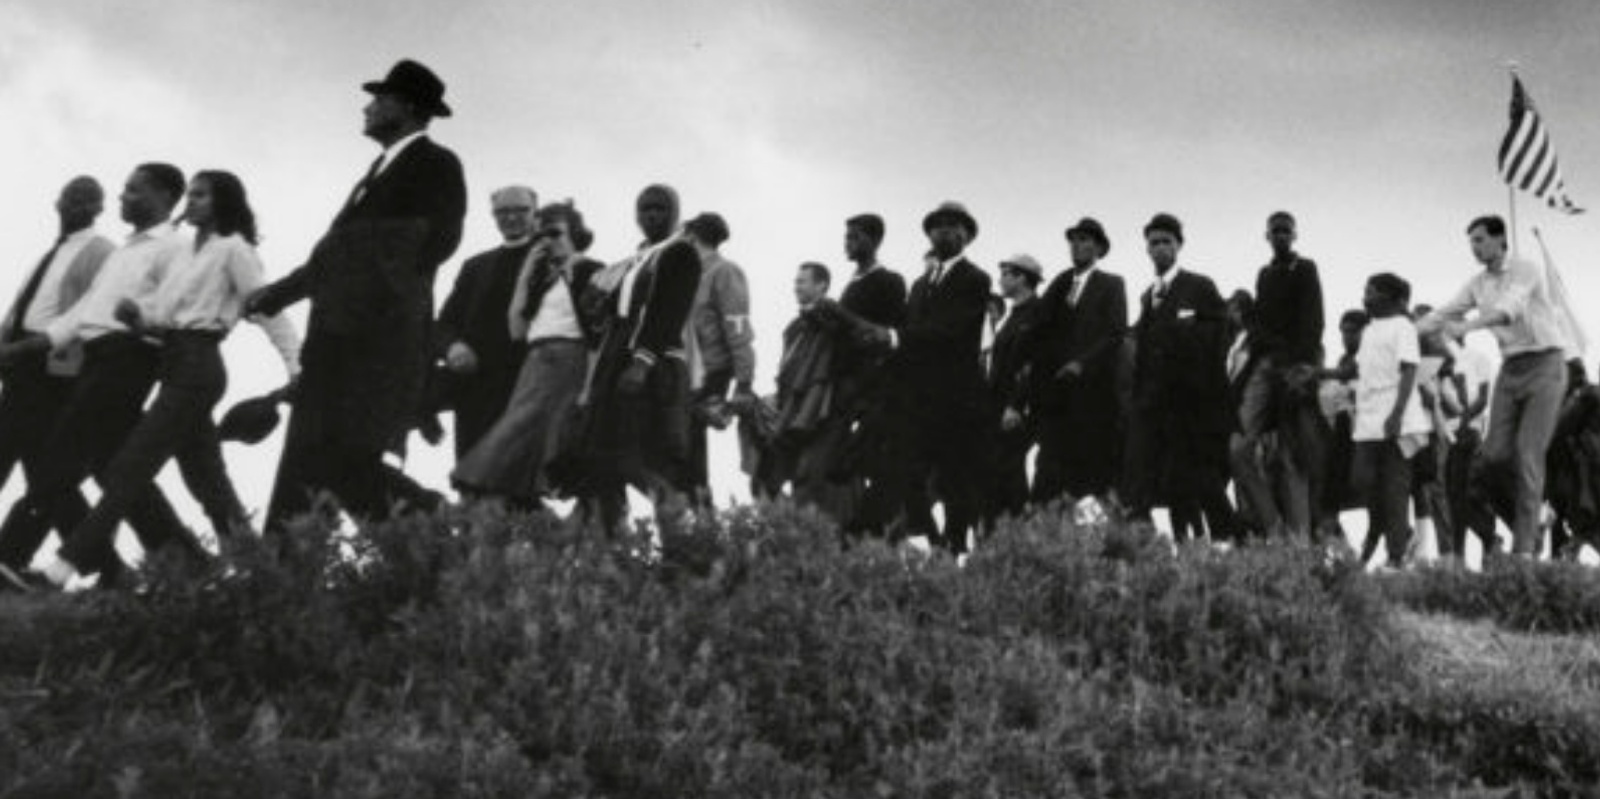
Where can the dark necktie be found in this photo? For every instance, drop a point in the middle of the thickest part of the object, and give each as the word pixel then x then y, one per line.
pixel 31 290
pixel 366 181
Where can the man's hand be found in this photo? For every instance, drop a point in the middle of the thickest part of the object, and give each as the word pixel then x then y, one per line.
pixel 1071 370
pixel 1391 425
pixel 874 335
pixel 461 359
pixel 127 312
pixel 633 377
pixel 544 274
pixel 1010 420
pixel 1457 330
pixel 262 302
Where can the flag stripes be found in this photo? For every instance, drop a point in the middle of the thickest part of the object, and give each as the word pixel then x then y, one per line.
pixel 1527 159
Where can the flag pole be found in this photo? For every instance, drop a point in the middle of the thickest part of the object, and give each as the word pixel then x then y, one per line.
pixel 1511 200
pixel 1511 190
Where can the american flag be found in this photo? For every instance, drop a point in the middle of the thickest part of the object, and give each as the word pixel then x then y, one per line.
pixel 1527 160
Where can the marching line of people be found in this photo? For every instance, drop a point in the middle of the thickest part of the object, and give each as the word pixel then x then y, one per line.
pixel 568 377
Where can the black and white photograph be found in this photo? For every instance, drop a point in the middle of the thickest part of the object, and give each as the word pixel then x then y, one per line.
pixel 799 398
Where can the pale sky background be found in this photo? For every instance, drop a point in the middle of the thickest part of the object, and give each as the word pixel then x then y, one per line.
pixel 1374 121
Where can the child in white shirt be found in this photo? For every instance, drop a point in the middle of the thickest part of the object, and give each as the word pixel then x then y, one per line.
pixel 1390 424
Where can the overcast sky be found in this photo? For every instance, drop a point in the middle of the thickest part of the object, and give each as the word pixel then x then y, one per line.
pixel 1375 121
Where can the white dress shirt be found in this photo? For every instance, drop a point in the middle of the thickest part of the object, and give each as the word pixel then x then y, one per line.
pixel 46 304
pixel 205 290
pixel 131 271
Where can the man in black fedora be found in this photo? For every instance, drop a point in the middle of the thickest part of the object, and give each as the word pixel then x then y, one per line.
pixel 370 282
pixel 939 392
pixel 1083 316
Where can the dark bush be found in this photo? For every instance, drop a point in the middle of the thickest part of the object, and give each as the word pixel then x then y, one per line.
pixel 479 653
pixel 1532 596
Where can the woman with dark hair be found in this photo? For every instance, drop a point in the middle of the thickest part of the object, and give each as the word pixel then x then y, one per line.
pixel 549 311
pixel 199 300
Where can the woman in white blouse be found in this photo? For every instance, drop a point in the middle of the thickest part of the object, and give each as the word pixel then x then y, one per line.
pixel 197 302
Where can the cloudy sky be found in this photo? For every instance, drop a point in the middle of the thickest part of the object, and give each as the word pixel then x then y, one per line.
pixel 1375 121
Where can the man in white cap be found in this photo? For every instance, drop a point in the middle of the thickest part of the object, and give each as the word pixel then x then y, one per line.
pixel 1012 425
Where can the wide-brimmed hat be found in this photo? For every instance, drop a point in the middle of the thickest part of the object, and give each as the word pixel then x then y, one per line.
pixel 1165 223
pixel 1089 227
pixel 1023 262
pixel 250 421
pixel 414 82
pixel 951 210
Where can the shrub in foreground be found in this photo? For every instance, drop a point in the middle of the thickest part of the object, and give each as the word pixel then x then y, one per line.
pixel 481 654
pixel 1531 596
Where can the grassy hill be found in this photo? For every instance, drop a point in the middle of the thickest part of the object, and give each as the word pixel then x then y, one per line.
pixel 478 654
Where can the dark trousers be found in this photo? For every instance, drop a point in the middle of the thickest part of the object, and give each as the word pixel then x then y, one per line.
pixel 356 476
pixel 1278 457
pixel 1523 410
pixel 714 387
pixel 647 444
pixel 1428 499
pixel 1008 473
pixel 1466 511
pixel 30 405
pixel 1386 475
pixel 1077 445
pixel 176 424
pixel 105 405
pixel 1336 493
pixel 937 453
pixel 1180 460
pixel 348 411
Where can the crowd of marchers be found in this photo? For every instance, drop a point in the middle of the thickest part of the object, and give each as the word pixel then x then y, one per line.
pixel 571 377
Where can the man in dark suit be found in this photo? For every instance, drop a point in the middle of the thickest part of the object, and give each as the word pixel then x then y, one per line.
pixel 638 426
pixel 938 398
pixel 1010 419
pixel 1177 451
pixel 481 359
pixel 370 282
pixel 1083 317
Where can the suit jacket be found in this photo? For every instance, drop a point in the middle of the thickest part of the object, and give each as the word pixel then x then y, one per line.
pixel 1008 362
pixel 938 356
pixel 1089 332
pixel 423 186
pixel 75 282
pixel 368 343
pixel 476 312
pixel 1178 364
